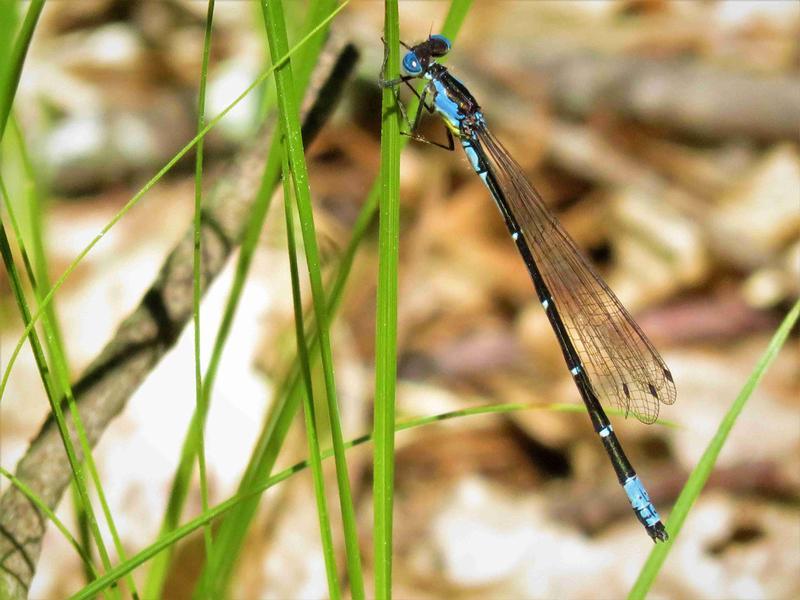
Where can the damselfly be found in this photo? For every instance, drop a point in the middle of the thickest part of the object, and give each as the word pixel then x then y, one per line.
pixel 608 355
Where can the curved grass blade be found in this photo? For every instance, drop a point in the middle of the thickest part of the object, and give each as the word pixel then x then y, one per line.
pixel 231 534
pixel 53 382
pixel 290 125
pixel 171 538
pixel 56 350
pixel 196 268
pixel 287 401
pixel 309 411
pixel 229 537
pixel 697 480
pixel 10 77
pixel 146 188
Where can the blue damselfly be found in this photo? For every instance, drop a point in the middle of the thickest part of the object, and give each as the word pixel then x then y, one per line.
pixel 608 355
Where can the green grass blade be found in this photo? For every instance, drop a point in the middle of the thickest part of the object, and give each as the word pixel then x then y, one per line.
pixel 146 188
pixel 8 25
pixel 40 281
pixel 288 398
pixel 11 75
pixel 309 411
pixel 697 480
pixel 290 125
pixel 171 538
pixel 29 270
pixel 386 314
pixel 47 376
pixel 455 18
pixel 200 407
pixel 386 311
pixel 40 278
pixel 30 322
pixel 231 534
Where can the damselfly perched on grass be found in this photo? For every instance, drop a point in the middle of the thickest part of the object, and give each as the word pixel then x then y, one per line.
pixel 608 355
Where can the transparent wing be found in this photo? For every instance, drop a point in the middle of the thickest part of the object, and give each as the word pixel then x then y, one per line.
pixel 623 366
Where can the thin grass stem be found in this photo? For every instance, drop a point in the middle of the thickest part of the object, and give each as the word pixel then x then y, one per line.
pixel 8 87
pixel 170 539
pixel 697 479
pixel 309 411
pixel 197 269
pixel 290 125
pixel 386 314
pixel 231 534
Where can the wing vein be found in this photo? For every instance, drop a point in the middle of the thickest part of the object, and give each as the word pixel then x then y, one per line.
pixel 622 365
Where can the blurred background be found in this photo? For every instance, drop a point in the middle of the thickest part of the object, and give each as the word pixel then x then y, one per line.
pixel 664 135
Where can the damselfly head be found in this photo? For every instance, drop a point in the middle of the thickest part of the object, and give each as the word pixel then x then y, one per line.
pixel 439 45
pixel 419 58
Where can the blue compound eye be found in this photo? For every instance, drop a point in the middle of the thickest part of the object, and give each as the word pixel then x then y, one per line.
pixel 411 64
pixel 439 45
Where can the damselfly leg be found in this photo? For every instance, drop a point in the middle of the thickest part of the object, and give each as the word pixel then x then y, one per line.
pixel 413 128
